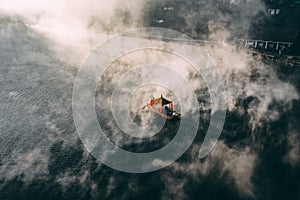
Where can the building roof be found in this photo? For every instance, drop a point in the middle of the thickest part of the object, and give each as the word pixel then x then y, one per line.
pixel 161 101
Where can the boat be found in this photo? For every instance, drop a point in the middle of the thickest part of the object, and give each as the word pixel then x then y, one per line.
pixel 163 107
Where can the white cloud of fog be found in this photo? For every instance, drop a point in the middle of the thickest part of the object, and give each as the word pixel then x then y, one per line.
pixel 292 157
pixel 68 178
pixel 248 77
pixel 76 32
pixel 27 166
pixel 236 165
pixel 174 187
pixel 141 96
pixel 76 26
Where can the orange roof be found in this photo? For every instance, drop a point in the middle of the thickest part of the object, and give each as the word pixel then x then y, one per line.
pixel 161 101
